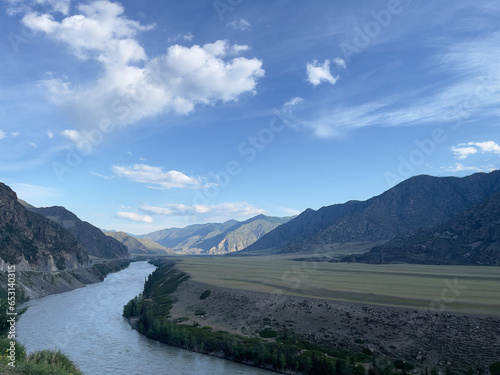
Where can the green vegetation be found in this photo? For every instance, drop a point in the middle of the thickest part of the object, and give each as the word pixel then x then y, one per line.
pixel 45 362
pixel 110 266
pixel 268 333
pixel 495 368
pixel 406 285
pixel 205 294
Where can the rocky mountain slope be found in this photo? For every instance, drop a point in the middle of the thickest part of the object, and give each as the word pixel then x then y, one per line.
pixel 472 237
pixel 93 240
pixel 421 201
pixel 138 245
pixel 216 238
pixel 33 242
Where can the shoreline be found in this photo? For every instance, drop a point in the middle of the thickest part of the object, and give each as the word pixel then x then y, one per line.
pixel 420 337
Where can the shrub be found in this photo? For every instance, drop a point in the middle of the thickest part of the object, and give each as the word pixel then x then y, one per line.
pixel 205 294
pixel 200 312
pixel 268 333
pixel 495 368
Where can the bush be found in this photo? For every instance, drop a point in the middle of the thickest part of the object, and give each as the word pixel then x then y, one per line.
pixel 205 294
pixel 200 312
pixel 495 368
pixel 268 333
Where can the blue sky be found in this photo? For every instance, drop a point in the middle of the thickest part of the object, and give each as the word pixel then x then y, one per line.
pixel 139 116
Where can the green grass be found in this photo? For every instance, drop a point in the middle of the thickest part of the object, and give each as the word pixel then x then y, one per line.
pixel 395 284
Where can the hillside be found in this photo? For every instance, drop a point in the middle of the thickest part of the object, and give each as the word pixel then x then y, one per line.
pixel 472 237
pixel 138 245
pixel 93 240
pixel 33 242
pixel 215 238
pixel 421 201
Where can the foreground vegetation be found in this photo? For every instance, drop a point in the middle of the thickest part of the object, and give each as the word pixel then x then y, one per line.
pixel 392 284
pixel 276 351
pixel 45 362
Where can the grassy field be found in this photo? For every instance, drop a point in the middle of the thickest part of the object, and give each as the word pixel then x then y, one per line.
pixel 467 289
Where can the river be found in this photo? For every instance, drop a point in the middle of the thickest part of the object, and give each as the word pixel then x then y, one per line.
pixel 86 324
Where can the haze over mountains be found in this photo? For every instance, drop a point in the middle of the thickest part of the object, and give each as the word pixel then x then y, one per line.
pixel 216 238
pixel 425 219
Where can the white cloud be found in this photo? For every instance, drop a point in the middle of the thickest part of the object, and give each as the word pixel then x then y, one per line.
pixel 157 177
pixel 33 144
pixel 207 212
pixel 15 134
pixel 23 6
pixel 340 62
pixel 318 73
pixel 240 24
pixel 461 168
pixel 50 134
pixel 186 37
pixel 132 216
pixel 2 134
pixel 293 102
pixel 134 86
pixel 463 150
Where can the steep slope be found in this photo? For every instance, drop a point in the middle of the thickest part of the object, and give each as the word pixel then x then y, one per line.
pixel 33 242
pixel 421 201
pixel 187 239
pixel 93 240
pixel 138 245
pixel 242 234
pixel 472 237
pixel 216 238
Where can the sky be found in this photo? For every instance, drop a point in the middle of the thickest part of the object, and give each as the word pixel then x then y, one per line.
pixel 139 116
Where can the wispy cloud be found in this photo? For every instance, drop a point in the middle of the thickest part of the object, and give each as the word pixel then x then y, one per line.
pixel 184 37
pixel 132 216
pixel 240 24
pixel 36 195
pixel 156 177
pixel 208 212
pixel 2 134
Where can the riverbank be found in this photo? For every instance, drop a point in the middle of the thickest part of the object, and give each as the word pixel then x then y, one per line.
pixel 34 284
pixel 426 339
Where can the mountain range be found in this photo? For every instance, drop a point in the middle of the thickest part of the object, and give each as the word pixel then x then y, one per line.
pixel 93 240
pixel 472 237
pixel 420 201
pixel 216 238
pixel 33 242
pixel 138 245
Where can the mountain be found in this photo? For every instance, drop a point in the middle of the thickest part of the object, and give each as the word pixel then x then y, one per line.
pixel 33 242
pixel 93 240
pixel 241 235
pixel 138 245
pixel 216 238
pixel 420 201
pixel 472 237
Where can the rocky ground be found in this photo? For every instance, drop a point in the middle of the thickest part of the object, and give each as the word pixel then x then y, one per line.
pixel 424 338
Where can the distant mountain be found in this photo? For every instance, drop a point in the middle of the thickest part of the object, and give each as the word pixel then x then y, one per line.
pixel 93 240
pixel 421 201
pixel 472 237
pixel 33 242
pixel 138 245
pixel 216 238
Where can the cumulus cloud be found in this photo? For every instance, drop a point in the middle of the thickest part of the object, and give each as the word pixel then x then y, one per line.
pixel 240 24
pixel 132 216
pixel 464 150
pixel 209 212
pixel 134 86
pixel 318 73
pixel 50 134
pixel 156 177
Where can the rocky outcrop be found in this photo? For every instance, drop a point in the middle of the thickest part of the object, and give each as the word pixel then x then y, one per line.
pixel 33 242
